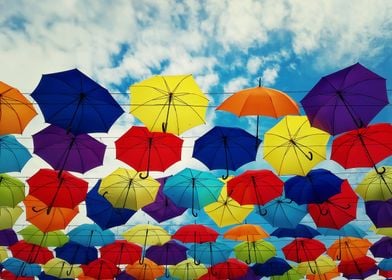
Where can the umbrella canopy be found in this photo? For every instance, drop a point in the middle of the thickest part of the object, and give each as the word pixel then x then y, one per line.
pixel 303 249
pixel 91 235
pixel 347 230
pixel 100 269
pixel 66 151
pixel 380 212
pixel 246 232
pixel 293 147
pixel 57 188
pixel 75 253
pixel 5 274
pixel 61 269
pixel 299 231
pixel 321 265
pixel 376 185
pixel 8 237
pixel 34 235
pixel 347 99
pixel 210 252
pixel 315 187
pixel 334 272
pixel 273 266
pixel 13 155
pixel 169 103
pixel 15 110
pixel 225 148
pixel 382 248
pixel 30 253
pixel 12 190
pixel 124 188
pixel 121 252
pixel 192 188
pixel 229 269
pixel 254 252
pixel 292 274
pixel 9 216
pixel 21 268
pixel 187 269
pixel 149 270
pixel 169 253
pixel 255 187
pixel 145 150
pixel 196 233
pixel 75 102
pixel 358 266
pixel 349 248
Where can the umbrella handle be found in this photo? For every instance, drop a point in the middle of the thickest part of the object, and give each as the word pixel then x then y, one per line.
pixel 194 214
pixel 164 127
pixel 263 212
pixel 36 210
pixel 141 176
pixel 224 177
pixel 383 169
pixel 311 269
pixel 196 262
pixel 141 261
pixel 167 274
pixel 310 157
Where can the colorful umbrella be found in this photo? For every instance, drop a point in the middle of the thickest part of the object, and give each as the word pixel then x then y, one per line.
pixel 169 103
pixel 66 151
pixel 376 186
pixel 225 148
pixel 292 274
pixel 192 188
pixel 13 155
pixel 303 249
pixel 75 253
pixel 347 230
pixel 148 151
pixel 187 269
pixel 124 188
pixel 15 110
pixel 293 147
pixel 100 269
pixel 246 232
pixel 382 248
pixel 75 102
pixel 358 266
pixel 34 235
pixel 61 269
pixel 321 265
pixel 379 212
pixel 300 230
pixel 273 266
pixel 8 237
pixel 348 248
pixel 121 252
pixel 386 264
pixel 148 270
pixel 9 216
pixel 196 233
pixel 344 100
pixel 91 235
pixel 8 275
pixel 30 253
pixel 229 269
pixel 21 268
pixel 254 252
pixel 12 190
pixel 333 273
pixel 210 252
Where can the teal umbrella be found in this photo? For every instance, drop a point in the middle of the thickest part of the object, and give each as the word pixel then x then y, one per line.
pixel 210 252
pixel 13 155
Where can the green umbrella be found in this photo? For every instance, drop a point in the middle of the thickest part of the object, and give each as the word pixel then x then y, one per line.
pixel 35 236
pixel 12 190
pixel 8 216
pixel 255 252
pixel 187 269
pixel 291 274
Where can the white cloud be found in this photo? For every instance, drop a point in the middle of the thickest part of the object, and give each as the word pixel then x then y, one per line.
pixel 236 84
pixel 269 75
pixel 253 65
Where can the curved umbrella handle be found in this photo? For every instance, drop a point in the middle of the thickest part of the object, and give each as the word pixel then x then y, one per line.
pixel 310 157
pixel 69 272
pixel 194 214
pixel 263 212
pixel 164 127
pixel 248 261
pixel 196 262
pixel 311 269
pixel 141 176
pixel 36 210
pixel 167 274
pixel 383 170
pixel 224 177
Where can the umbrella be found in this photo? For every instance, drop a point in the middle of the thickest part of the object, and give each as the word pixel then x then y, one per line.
pixel 386 264
pixel 34 235
pixel 254 252
pixel 91 235
pixel 196 233
pixel 260 101
pixel 5 274
pixel 30 253
pixel 344 100
pixel 15 110
pixel 145 150
pixel 187 269
pixel 21 268
pixel 376 186
pixel 3 254
pixel 148 270
pixel 229 269
pixel 255 187
pixel 348 248
pixel 303 249
pixel 379 212
pixel 9 216
pixel 226 211
pixel 44 276
pixel 12 190
pixel 124 188
pixel 48 218
pixel 246 232
pixel 293 147
pixel 334 272
pixel 57 188
pixel 75 253
pixel 13 155
pixel 121 252
pixel 347 230
pixel 75 102
pixel 100 269
pixel 273 266
pixel 337 211
pixel 210 252
pixel 169 103
pixel 61 269
pixel 321 265
pixel 66 151
pixel 8 237
pixel 300 230
pixel 193 188
pixel 358 266
pixel 225 148
pixel 315 187
pixel 102 212
pixel 283 212
pixel 382 248
pixel 292 274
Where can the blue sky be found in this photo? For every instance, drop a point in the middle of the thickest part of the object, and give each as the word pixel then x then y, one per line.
pixel 227 45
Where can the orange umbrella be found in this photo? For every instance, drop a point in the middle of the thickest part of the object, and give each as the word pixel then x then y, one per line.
pixel 48 218
pixel 260 101
pixel 348 248
pixel 15 110
pixel 146 271
pixel 246 232
pixel 323 276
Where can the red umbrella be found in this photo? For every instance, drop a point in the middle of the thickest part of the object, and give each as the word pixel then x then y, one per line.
pixel 8 275
pixel 30 253
pixel 145 150
pixel 337 211
pixel 57 188
pixel 303 249
pixel 356 266
pixel 121 252
pixel 230 269
pixel 100 269
pixel 195 234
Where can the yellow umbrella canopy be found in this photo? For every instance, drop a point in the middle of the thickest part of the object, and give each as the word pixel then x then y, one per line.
pixel 61 269
pixel 387 231
pixel 321 265
pixel 3 253
pixel 187 269
pixel 376 185
pixel 124 188
pixel 293 147
pixel 169 103
pixel 8 216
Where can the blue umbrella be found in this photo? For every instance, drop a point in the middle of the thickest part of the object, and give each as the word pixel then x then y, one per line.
pixel 210 252
pixel 21 268
pixel 44 276
pixel 75 253
pixel 13 155
pixel 192 188
pixel 75 102
pixel 298 231
pixel 347 230
pixel 283 212
pixel 123 275
pixel 386 264
pixel 273 266
pixel 315 187
pixel 102 212
pixel 226 148
pixel 91 235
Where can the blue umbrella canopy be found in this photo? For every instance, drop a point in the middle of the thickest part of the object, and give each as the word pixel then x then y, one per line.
pixel 210 252
pixel 91 235
pixel 21 268
pixel 273 266
pixel 347 230
pixel 13 155
pixel 298 231
pixel 75 253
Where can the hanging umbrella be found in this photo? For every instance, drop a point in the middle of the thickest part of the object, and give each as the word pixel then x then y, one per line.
pixel 225 148
pixel 382 248
pixel 148 151
pixel 300 230
pixel 100 269
pixel 321 265
pixel 9 216
pixel 283 212
pixel 30 253
pixel 195 233
pixel 3 254
pixel 379 212
pixel 44 276
pixel 347 230
pixel 260 101
pixel 13 155
pixel 5 274
pixel 333 273
pixel 371 270
pixel 192 188
pixel 229 269
pixel 357 266
pixel 338 210
pixel 210 252
pixel 124 188
pixel 315 187
pixel 34 235
pixel 255 187
pixel 102 212
pixel 12 190
pixel 187 269
pixel 148 270
pixel 75 102
pixel 376 186
pixel 303 249
pixel 8 237
pixel 91 235
pixel 273 266
pixel 57 188
pixel 65 151
pixel 291 274
pixel 385 264
pixel 348 248
pixel 21 268
pixel 246 232
pixel 48 218
pixel 123 275
pixel 75 253
pixel 254 252
pixel 226 211
pixel 387 231
pixel 121 252
pixel 169 103
pixel 293 147
pixel 61 269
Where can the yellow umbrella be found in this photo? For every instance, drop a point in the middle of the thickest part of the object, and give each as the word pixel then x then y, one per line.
pixel 169 103
pixel 8 216
pixel 376 185
pixel 293 147
pixel 61 269
pixel 321 265
pixel 3 253
pixel 387 231
pixel 124 188
pixel 291 274
pixel 187 269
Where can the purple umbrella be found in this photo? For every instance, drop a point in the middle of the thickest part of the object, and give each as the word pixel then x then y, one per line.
pixel 345 100
pixel 363 275
pixel 380 212
pixel 8 237
pixel 382 248
pixel 65 151
pixel 124 276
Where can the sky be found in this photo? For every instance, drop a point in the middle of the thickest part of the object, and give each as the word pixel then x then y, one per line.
pixel 226 45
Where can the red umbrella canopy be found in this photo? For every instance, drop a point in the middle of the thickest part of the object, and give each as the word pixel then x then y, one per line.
pixel 303 249
pixel 57 188
pixel 30 253
pixel 8 275
pixel 337 211
pixel 255 187
pixel 230 269
pixel 356 266
pixel 145 150
pixel 100 269
pixel 195 234
pixel 121 252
